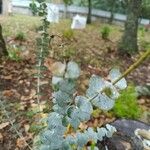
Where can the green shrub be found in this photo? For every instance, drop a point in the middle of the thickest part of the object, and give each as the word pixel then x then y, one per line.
pixel 20 36
pixel 14 54
pixel 105 32
pixel 68 34
pixel 145 44
pixel 142 31
pixel 126 105
pixel 69 52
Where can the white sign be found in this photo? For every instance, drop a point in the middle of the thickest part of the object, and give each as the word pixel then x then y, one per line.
pixel 10 6
pixel 53 13
pixel 79 22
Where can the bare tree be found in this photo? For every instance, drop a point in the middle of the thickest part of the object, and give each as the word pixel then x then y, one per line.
pixel 129 43
pixel 89 18
pixel 3 49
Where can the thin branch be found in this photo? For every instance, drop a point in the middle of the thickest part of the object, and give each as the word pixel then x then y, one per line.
pixel 12 124
pixel 133 66
pixel 129 70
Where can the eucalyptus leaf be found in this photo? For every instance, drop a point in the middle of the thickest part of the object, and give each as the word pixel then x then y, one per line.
pixel 60 109
pixel 72 140
pixel 46 137
pixel 114 74
pixel 84 105
pixel 82 139
pixel 96 84
pixel 62 98
pixel 66 146
pixel 45 147
pixel 67 86
pixel 101 133
pixel 111 130
pixel 75 122
pixel 54 120
pixel 56 80
pixel 114 94
pixel 73 70
pixel 95 148
pixel 103 102
pixel 92 135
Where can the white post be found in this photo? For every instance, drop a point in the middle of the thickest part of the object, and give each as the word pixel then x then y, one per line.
pixel 6 7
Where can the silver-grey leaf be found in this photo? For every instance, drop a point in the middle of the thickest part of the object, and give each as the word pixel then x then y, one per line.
pixel 67 86
pixel 45 147
pixel 103 102
pixel 71 140
pixel 54 120
pixel 56 80
pixel 73 70
pixel 101 133
pixel 114 74
pixel 95 148
pixel 75 122
pixel 114 92
pixel 96 84
pixel 61 98
pixel 111 130
pixel 82 139
pixel 83 104
pixel 92 135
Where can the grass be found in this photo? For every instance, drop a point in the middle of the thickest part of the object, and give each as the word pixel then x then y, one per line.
pixel 126 105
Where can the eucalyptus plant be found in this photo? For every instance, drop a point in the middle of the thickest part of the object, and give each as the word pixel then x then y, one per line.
pixel 42 42
pixel 70 109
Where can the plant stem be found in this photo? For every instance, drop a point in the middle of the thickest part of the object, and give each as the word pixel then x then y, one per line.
pixel 133 66
pixel 39 78
pixel 129 70
pixel 12 124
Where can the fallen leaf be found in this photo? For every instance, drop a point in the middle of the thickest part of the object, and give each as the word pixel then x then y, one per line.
pixel 83 126
pixel 8 93
pixel 1 138
pixel 21 143
pixel 26 127
pixel 4 125
pixel 43 83
pixel 57 68
pixel 32 95
pixel 9 77
pixel 48 63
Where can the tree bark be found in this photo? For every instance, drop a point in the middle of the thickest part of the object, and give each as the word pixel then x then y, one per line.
pixel 112 6
pixel 3 49
pixel 110 21
pixel 0 6
pixel 129 43
pixel 89 18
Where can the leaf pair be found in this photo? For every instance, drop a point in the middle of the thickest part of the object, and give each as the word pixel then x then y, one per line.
pixel 103 93
pixel 60 70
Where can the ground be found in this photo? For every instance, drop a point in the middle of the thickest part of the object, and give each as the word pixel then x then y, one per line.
pixel 94 54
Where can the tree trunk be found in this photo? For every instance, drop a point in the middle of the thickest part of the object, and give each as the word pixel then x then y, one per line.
pixel 0 6
pixel 112 7
pixel 3 50
pixel 89 18
pixel 110 21
pixel 129 43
